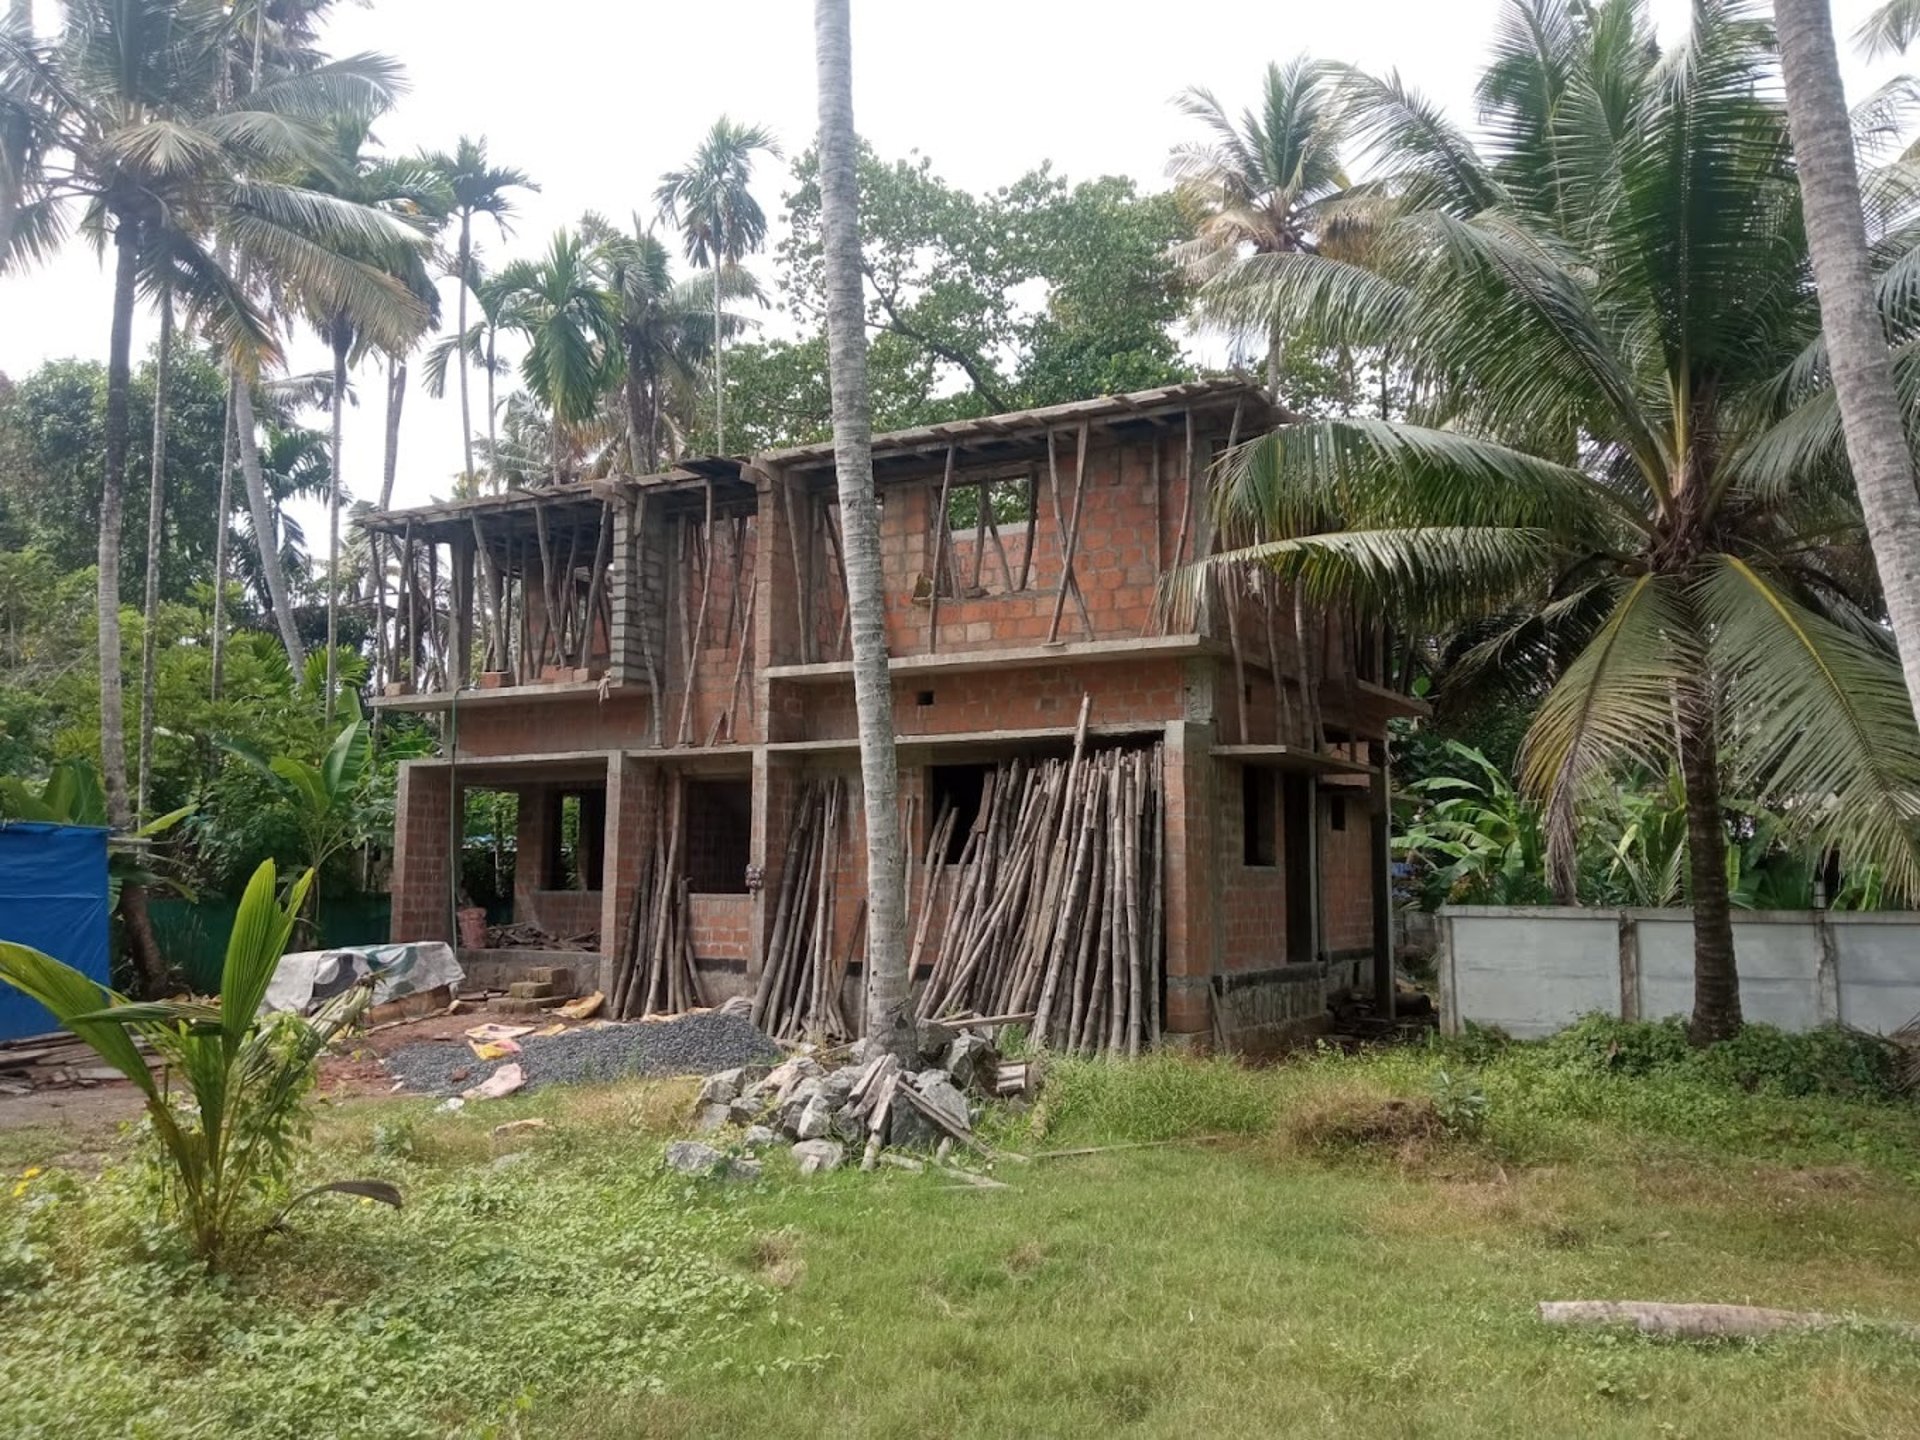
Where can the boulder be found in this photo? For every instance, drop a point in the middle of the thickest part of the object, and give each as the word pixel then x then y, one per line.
pixel 938 1090
pixel 970 1060
pixel 816 1157
pixel 816 1119
pixel 712 1118
pixel 908 1129
pixel 745 1111
pixel 795 1105
pixel 850 1127
pixel 691 1157
pixel 727 1085
pixel 781 1080
pixel 759 1137
pixel 744 1170
pixel 837 1085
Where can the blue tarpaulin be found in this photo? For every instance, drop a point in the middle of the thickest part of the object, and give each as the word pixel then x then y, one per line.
pixel 53 896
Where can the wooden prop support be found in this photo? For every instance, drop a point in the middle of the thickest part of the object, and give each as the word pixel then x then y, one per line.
pixel 940 526
pixel 1070 537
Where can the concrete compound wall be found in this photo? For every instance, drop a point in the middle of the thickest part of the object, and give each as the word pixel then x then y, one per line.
pixel 1531 971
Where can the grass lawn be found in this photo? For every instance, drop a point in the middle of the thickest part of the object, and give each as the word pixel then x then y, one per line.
pixel 1332 1268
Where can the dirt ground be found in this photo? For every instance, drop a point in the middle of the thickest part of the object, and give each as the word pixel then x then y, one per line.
pixel 353 1070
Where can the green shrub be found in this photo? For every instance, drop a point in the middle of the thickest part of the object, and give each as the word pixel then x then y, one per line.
pixel 1599 1044
pixel 1828 1061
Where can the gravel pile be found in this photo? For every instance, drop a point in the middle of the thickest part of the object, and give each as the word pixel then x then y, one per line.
pixel 698 1044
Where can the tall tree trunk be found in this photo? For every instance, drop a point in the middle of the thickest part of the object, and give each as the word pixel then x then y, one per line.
pixel 460 352
pixel 222 551
pixel 396 402
pixel 1883 469
pixel 719 368
pixel 889 986
pixel 636 416
pixel 342 340
pixel 113 719
pixel 1716 979
pixel 493 439
pixel 266 531
pixel 156 530
pixel 113 716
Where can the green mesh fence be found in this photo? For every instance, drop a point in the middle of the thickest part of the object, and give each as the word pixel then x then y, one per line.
pixel 193 933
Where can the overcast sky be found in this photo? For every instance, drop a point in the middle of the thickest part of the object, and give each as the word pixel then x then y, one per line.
pixel 595 98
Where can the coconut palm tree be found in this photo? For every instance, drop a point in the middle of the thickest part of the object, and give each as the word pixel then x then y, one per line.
pixel 888 1022
pixel 474 187
pixel 711 200
pixel 115 124
pixel 1267 182
pixel 567 317
pixel 1857 349
pixel 1626 462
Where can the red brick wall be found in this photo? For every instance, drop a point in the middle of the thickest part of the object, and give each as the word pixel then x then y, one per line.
pixel 1147 692
pixel 421 863
pixel 1253 899
pixel 560 912
pixel 722 926
pixel 1346 872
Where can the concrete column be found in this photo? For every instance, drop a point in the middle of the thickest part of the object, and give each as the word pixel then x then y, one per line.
pixel 1192 880
pixel 422 885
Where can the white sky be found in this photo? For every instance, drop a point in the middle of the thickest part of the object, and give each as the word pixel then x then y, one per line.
pixel 595 98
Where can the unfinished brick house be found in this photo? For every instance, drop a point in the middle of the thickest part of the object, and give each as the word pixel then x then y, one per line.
pixel 657 668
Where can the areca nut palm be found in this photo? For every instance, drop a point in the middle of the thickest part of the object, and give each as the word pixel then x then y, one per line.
pixel 478 345
pixel 1626 465
pixel 389 318
pixel 113 126
pixel 711 200
pixel 1263 183
pixel 567 317
pixel 666 332
pixel 474 187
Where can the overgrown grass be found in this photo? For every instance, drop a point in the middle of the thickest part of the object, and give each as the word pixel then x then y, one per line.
pixel 1361 1255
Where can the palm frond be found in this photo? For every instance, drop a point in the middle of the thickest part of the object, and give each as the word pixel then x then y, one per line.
pixel 1614 705
pixel 1818 718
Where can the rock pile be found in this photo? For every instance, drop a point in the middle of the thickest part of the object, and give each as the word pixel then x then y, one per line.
pixel 864 1104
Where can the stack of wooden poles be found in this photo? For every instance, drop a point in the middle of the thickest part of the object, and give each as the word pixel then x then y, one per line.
pixel 1057 905
pixel 656 973
pixel 801 976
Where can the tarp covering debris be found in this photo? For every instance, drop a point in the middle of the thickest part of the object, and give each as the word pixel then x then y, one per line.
pixel 308 978
pixel 53 896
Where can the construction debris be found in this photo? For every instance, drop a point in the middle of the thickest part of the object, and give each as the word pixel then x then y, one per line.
pixel 525 936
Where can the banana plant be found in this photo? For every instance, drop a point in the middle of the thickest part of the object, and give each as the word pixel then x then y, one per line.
pixel 229 1146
